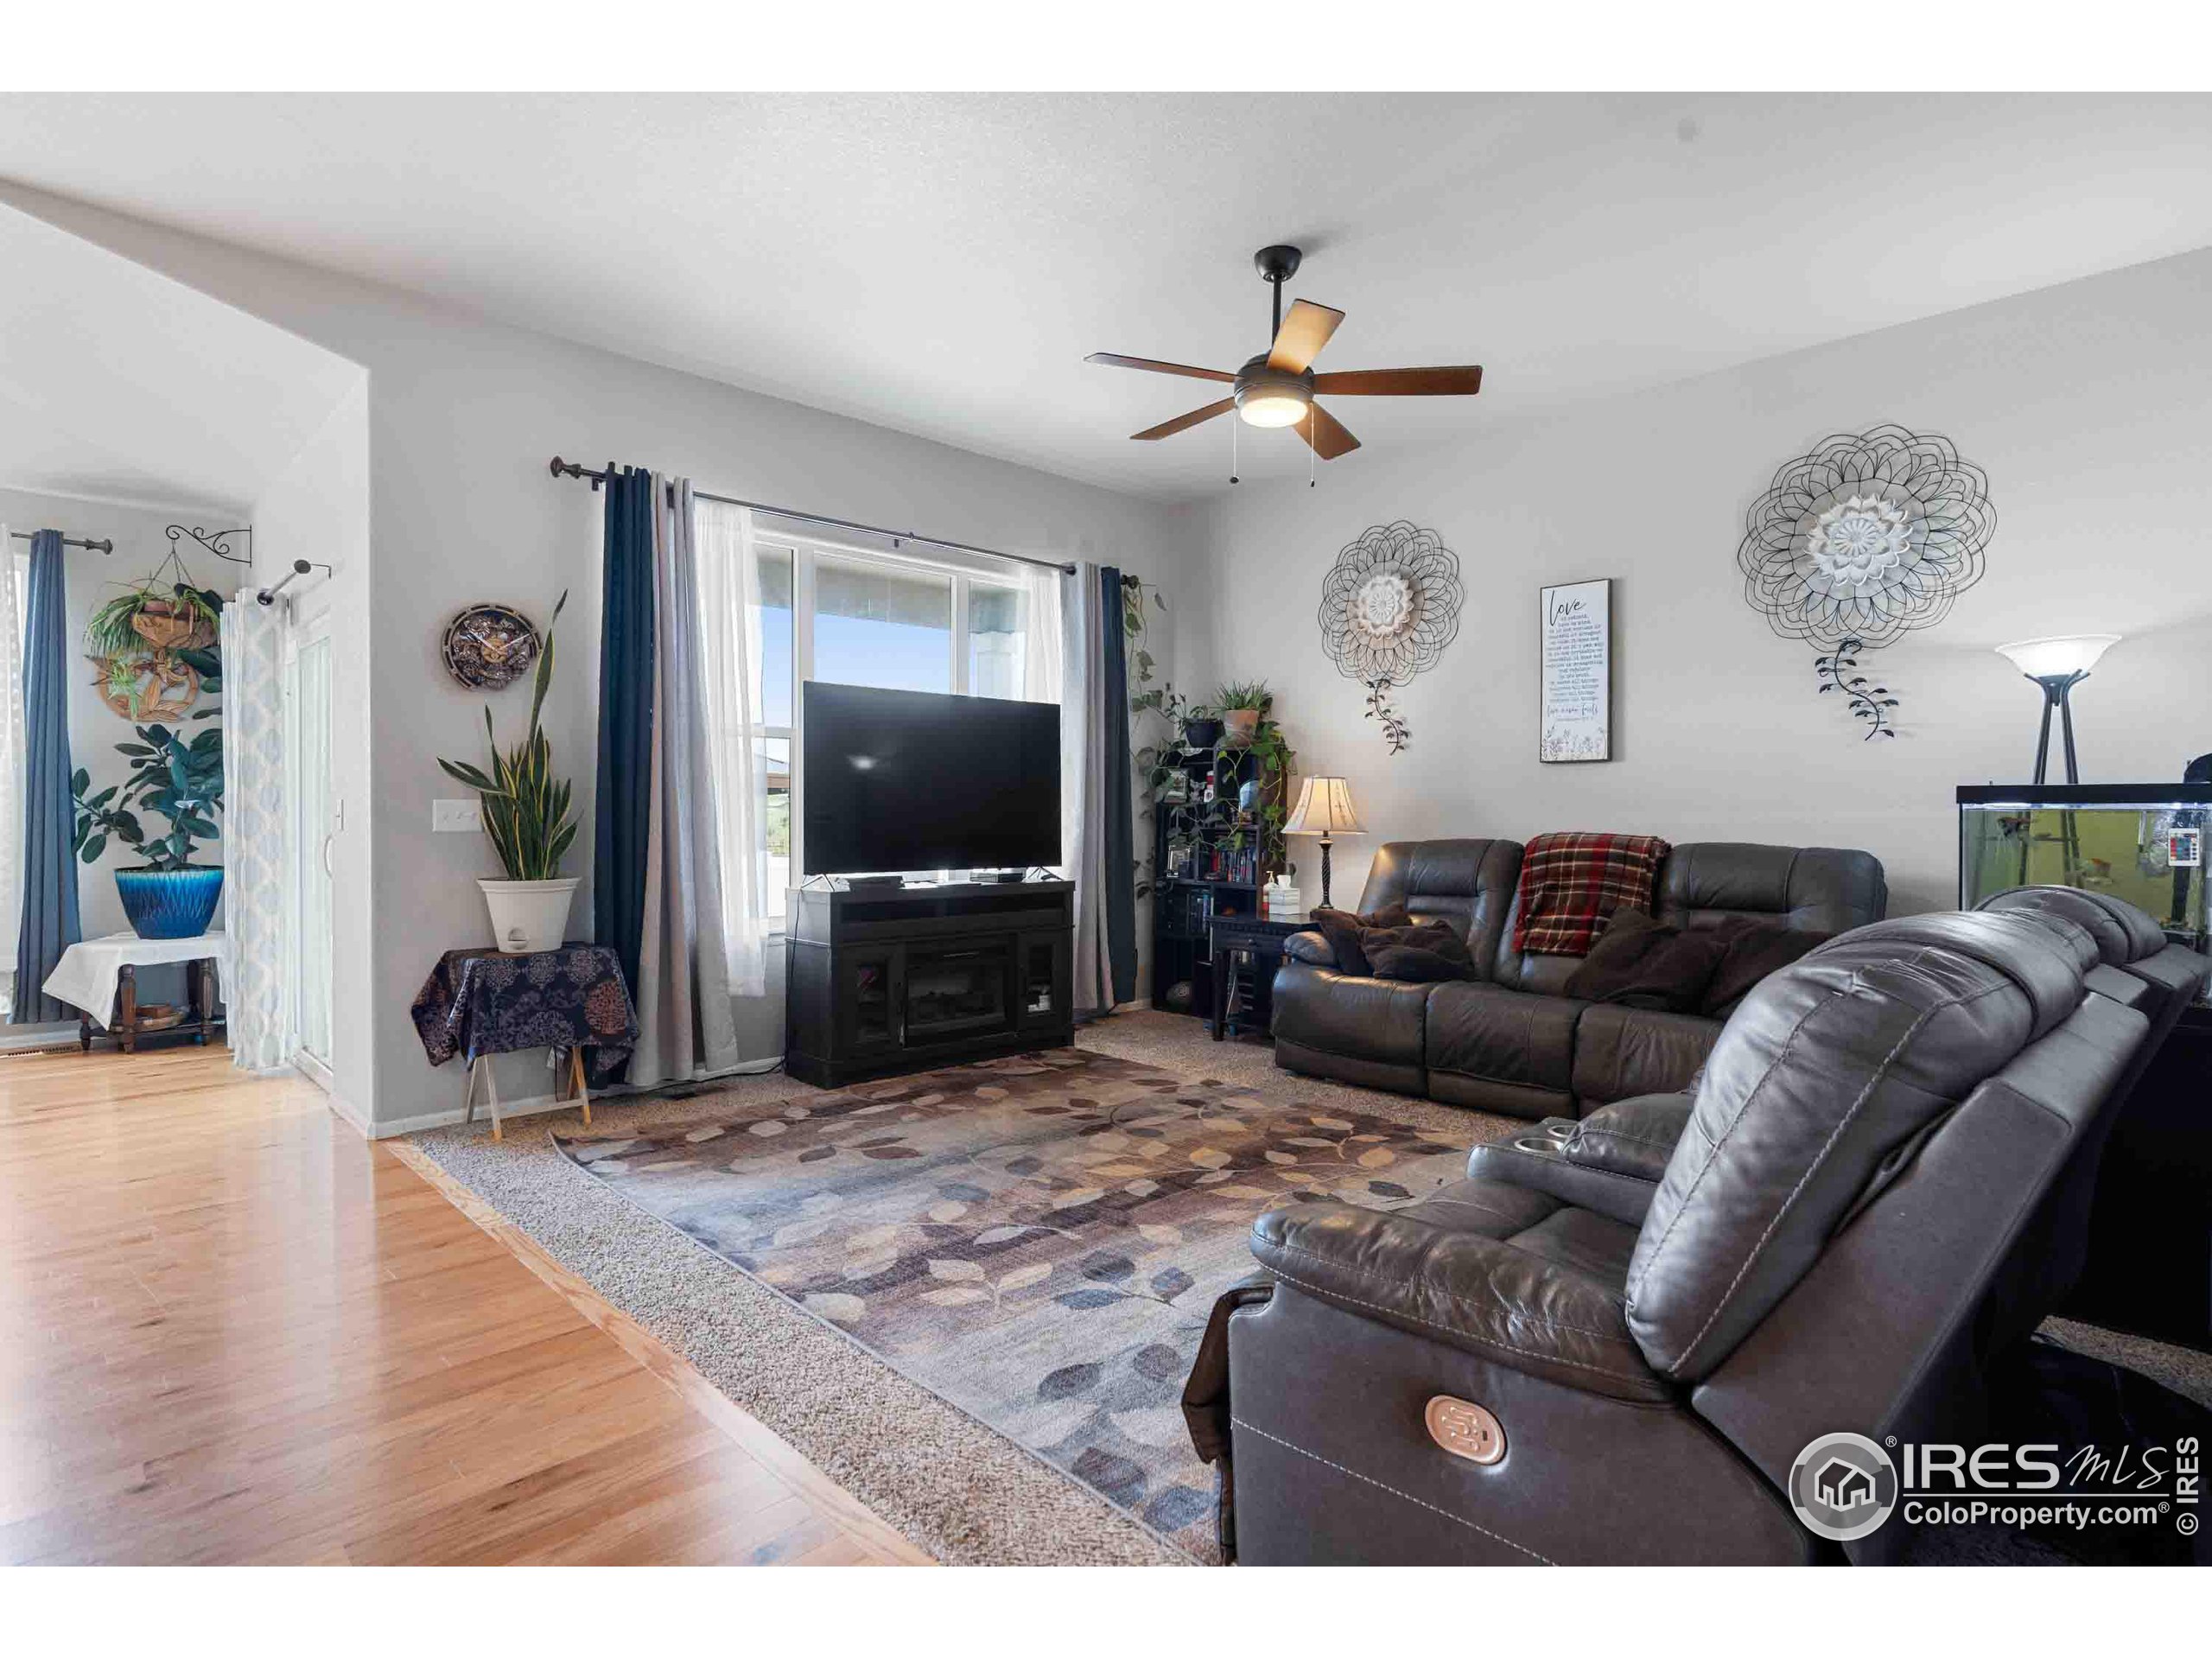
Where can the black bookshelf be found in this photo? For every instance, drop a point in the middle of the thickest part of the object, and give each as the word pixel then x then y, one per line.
pixel 1226 870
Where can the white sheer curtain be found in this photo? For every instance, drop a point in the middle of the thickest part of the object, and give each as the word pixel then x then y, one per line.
pixel 729 649
pixel 11 758
pixel 254 826
pixel 1084 792
pixel 1041 656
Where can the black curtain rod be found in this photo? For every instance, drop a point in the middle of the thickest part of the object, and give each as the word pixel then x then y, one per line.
pixel 560 468
pixel 66 541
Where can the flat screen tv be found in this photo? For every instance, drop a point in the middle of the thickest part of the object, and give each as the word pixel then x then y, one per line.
pixel 915 780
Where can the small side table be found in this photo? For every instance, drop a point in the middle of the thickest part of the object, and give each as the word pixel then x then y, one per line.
pixel 99 978
pixel 479 1002
pixel 1259 943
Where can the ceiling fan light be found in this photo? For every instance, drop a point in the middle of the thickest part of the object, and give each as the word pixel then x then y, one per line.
pixel 1272 396
pixel 1272 408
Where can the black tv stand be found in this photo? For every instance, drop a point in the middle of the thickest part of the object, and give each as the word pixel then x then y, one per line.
pixel 881 980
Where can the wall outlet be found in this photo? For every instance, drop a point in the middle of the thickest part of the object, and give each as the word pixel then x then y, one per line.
pixel 458 816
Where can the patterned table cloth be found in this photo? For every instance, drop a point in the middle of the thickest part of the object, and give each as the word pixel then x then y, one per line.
pixel 480 1001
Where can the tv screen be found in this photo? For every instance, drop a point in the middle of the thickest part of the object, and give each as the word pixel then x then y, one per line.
pixel 914 780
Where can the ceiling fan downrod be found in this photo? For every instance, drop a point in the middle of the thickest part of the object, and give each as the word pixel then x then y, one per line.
pixel 1277 264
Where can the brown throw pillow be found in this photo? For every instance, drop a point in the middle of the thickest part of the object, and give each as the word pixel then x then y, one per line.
pixel 1419 953
pixel 1754 950
pixel 1642 963
pixel 1343 929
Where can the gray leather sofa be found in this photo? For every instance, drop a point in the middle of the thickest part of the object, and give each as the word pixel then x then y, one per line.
pixel 1509 1039
pixel 1659 1306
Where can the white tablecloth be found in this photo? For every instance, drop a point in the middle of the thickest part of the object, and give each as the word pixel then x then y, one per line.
pixel 89 970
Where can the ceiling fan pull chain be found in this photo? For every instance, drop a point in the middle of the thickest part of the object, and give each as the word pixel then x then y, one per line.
pixel 1232 451
pixel 1313 455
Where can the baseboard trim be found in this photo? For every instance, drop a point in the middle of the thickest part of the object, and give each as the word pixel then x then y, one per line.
pixel 349 1113
pixel 527 1106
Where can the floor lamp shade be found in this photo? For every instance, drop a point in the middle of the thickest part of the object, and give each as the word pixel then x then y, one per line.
pixel 1325 809
pixel 2058 664
pixel 2076 653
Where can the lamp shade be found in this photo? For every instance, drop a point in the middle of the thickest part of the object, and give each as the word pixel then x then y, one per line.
pixel 2074 654
pixel 1324 809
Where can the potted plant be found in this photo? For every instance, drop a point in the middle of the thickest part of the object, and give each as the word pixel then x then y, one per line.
pixel 1243 705
pixel 181 618
pixel 526 816
pixel 1201 727
pixel 167 896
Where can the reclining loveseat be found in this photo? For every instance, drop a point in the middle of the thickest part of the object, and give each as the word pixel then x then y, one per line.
pixel 1508 1039
pixel 1612 1342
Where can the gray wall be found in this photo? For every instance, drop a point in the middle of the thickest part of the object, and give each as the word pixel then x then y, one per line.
pixel 2086 404
pixel 462 416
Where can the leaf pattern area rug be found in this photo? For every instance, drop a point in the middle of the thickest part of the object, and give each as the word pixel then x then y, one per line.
pixel 1038 1240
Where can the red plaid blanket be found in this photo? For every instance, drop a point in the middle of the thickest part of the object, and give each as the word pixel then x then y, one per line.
pixel 1572 880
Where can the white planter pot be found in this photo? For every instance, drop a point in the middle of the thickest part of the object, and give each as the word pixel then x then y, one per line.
pixel 529 916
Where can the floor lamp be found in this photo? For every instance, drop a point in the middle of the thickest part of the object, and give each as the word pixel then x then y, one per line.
pixel 1325 810
pixel 2058 665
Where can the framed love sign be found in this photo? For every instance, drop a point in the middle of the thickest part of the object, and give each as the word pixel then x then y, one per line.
pixel 1577 722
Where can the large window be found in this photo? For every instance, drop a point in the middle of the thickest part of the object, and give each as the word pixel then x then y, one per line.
pixel 862 617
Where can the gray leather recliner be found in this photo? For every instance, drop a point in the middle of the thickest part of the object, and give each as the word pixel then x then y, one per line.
pixel 1508 1039
pixel 1659 1325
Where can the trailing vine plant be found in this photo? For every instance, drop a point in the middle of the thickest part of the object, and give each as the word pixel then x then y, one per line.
pixel 1144 705
pixel 1379 706
pixel 1871 703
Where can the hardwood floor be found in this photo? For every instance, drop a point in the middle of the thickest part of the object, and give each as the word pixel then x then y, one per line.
pixel 231 1331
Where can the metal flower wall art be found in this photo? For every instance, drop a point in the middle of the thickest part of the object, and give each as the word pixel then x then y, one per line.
pixel 1861 542
pixel 1390 605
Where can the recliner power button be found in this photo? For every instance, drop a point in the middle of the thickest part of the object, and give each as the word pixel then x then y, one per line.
pixel 1465 1429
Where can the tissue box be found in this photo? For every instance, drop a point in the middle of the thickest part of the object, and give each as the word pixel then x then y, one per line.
pixel 1281 903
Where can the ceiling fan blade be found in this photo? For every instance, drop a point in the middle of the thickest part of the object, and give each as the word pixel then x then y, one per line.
pixel 1169 428
pixel 1462 382
pixel 1326 433
pixel 1117 362
pixel 1306 329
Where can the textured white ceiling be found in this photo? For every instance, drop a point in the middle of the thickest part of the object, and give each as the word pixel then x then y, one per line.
pixel 120 385
pixel 940 263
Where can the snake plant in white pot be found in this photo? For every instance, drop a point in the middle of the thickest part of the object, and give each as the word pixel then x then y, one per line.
pixel 526 816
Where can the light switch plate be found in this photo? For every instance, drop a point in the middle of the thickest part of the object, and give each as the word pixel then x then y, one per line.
pixel 457 816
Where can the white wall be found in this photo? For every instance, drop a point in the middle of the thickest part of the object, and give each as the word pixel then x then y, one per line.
pixel 463 416
pixel 2088 406
pixel 95 728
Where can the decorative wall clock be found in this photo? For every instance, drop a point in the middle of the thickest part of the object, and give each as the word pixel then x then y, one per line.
pixel 1863 540
pixel 1390 605
pixel 488 647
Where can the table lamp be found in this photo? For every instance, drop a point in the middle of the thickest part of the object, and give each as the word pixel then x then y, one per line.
pixel 2058 665
pixel 1325 810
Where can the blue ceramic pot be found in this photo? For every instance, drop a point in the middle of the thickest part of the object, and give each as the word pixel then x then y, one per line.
pixel 170 904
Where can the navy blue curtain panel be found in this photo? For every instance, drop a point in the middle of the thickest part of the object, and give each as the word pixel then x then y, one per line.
pixel 49 925
pixel 1121 827
pixel 626 720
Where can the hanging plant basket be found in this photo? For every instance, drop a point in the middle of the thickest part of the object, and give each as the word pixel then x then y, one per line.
pixel 171 624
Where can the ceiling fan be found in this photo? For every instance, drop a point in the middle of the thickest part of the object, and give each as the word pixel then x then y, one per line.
pixel 1277 388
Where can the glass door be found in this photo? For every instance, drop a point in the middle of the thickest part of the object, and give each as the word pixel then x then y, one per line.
pixel 308 791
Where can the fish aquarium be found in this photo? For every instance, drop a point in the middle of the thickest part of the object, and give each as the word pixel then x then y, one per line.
pixel 2143 843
